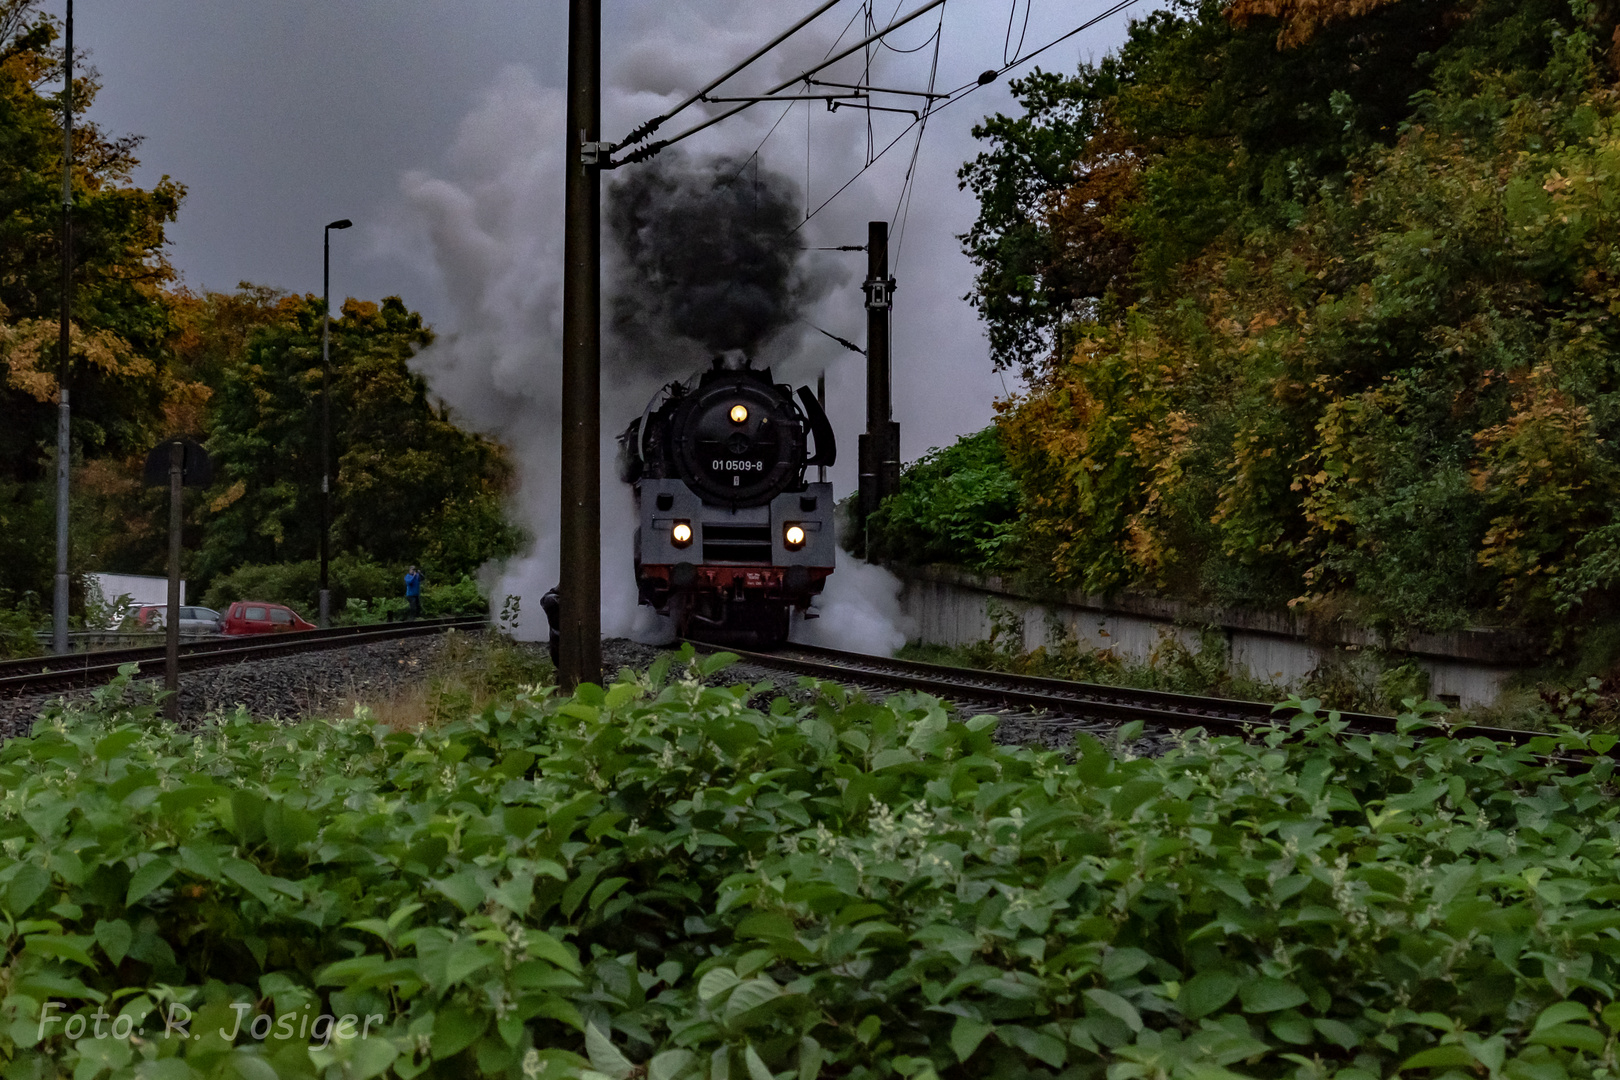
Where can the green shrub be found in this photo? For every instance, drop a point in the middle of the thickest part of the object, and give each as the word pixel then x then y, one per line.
pixel 17 637
pixel 382 609
pixel 297 584
pixel 955 505
pixel 660 881
pixel 460 597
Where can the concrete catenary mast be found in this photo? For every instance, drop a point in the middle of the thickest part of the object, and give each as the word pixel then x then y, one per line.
pixel 580 636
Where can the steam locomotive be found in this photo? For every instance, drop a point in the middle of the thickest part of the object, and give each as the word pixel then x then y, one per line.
pixel 732 537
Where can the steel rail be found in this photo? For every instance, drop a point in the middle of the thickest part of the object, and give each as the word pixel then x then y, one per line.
pixel 92 668
pixel 1067 699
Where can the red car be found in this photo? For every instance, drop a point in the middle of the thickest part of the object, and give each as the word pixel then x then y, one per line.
pixel 252 617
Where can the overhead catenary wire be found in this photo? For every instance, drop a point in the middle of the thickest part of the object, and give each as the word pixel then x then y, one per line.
pixel 904 20
pixel 969 87
pixel 1008 50
pixel 839 39
pixel 652 125
pixel 858 173
pixel 649 149
pixel 807 112
pixel 914 49
pixel 902 209
pixel 961 93
pixel 866 75
pixel 755 155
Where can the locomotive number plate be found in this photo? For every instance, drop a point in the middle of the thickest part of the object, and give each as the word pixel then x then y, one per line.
pixel 721 465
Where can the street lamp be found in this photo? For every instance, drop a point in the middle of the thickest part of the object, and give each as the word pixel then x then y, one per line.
pixel 326 410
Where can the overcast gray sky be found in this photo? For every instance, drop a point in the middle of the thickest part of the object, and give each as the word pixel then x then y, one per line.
pixel 280 117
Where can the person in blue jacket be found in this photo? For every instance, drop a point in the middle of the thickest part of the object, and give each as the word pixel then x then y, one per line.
pixel 413 593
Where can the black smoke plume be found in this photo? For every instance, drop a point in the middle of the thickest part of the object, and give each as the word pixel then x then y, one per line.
pixel 708 252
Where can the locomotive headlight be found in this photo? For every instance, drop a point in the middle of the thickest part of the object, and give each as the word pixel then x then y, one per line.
pixel 739 413
pixel 681 534
pixel 793 537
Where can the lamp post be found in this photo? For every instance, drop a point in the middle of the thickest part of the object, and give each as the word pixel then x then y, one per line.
pixel 326 410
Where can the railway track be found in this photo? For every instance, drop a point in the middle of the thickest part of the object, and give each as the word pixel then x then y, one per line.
pixel 1059 700
pixel 37 674
pixel 1041 701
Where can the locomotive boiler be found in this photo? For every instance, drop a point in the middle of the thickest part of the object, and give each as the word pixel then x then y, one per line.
pixel 732 537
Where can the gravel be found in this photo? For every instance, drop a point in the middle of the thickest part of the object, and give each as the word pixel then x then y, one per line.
pixel 284 687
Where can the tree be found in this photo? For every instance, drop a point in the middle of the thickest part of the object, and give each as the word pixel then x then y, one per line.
pixel 122 385
pixel 409 485
pixel 1032 157
pixel 119 315
pixel 1198 127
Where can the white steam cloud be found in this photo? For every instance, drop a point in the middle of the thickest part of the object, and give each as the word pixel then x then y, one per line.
pixel 859 611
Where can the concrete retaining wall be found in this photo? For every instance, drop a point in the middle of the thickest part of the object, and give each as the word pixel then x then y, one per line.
pixel 951 607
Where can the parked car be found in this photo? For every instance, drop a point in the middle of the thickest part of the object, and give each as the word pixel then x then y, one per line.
pixel 255 617
pixel 193 620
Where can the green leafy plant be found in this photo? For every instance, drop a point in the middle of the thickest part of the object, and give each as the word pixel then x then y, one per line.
pixel 17 637
pixel 464 596
pixel 351 578
pixel 657 880
pixel 955 505
pixel 363 590
pixel 460 597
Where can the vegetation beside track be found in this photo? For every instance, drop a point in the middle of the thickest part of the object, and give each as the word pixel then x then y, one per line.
pixel 1367 681
pixel 470 672
pixel 362 590
pixel 657 880
pixel 1316 303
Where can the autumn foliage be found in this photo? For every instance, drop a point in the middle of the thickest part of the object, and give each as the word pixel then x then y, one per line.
pixel 1300 19
pixel 1326 324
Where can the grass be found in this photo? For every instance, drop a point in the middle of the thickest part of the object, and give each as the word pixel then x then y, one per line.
pixel 1173 667
pixel 469 672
